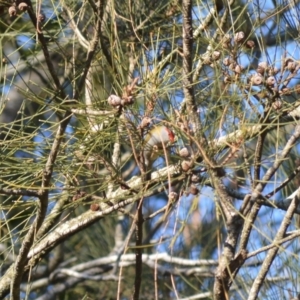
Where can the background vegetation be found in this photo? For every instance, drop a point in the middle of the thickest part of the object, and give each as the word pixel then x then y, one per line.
pixel 215 216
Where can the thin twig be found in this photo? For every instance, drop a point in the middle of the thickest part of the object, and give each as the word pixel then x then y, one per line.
pixel 46 52
pixel 91 112
pixel 187 36
pixel 289 237
pixel 82 40
pixel 138 250
pixel 284 183
pixel 259 280
pixel 19 192
pixel 254 206
pixel 18 267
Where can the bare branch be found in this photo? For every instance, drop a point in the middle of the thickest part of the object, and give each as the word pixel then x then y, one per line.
pixel 259 280
pixel 19 192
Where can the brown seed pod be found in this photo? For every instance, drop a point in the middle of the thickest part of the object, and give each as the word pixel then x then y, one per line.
pixel 207 60
pixel 23 6
pixel 250 44
pixel 195 178
pixel 232 66
pixel 193 190
pixel 216 55
pixel 173 196
pixel 12 11
pixel 262 67
pixel 239 37
pixel 186 165
pixel 238 69
pixel 277 104
pixel 291 66
pixel 146 121
pixel 227 61
pixel 270 81
pixel 114 100
pixel 273 71
pixel 78 195
pixel 41 17
pixel 228 79
pixel 260 70
pixel 184 152
pixel 226 41
pixel 256 79
pixel 287 61
pixel 94 207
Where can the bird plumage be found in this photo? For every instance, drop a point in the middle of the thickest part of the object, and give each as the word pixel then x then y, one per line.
pixel 157 139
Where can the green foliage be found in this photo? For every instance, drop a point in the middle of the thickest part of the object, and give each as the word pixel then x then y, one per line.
pixel 82 85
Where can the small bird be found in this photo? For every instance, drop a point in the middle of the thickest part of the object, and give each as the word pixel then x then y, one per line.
pixel 157 139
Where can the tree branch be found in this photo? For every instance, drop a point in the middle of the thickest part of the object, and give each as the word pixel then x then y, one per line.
pixel 259 280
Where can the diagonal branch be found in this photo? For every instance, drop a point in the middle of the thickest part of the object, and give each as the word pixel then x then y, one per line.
pixel 187 35
pixel 253 205
pixel 17 269
pixel 259 280
pixel 46 52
